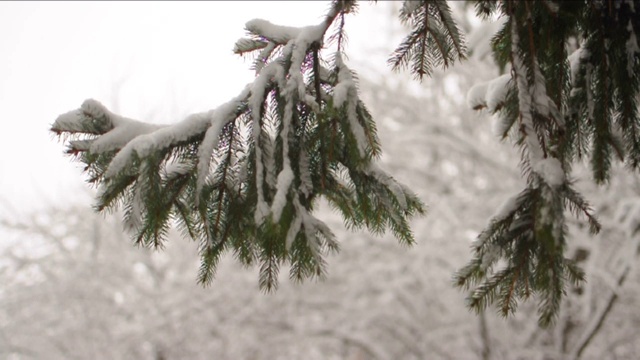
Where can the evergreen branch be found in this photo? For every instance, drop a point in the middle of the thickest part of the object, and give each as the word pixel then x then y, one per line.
pixel 160 172
pixel 113 190
pixel 553 290
pixel 369 126
pixel 426 45
pixel 577 203
pixel 485 293
pixel 321 121
pixel 269 268
pixel 525 237
pixel 184 218
pixel 485 8
pixel 469 275
pixel 575 274
pixel 210 255
pixel 152 199
pixel 248 45
pixel 507 302
pixel 339 36
pixel 444 11
pixel 421 62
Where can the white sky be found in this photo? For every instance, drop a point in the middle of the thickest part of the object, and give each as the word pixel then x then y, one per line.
pixel 169 57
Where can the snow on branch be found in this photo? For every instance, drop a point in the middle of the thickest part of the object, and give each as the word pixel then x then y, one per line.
pixel 93 119
pixel 345 91
pixel 246 175
pixel 489 94
pixel 435 39
pixel 276 33
pixel 524 98
pixel 169 136
pixel 550 169
pixel 218 119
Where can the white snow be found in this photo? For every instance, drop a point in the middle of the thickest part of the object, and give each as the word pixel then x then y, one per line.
pixel 497 92
pixel 347 92
pixel 294 90
pixel 124 129
pixel 176 168
pixel 506 208
pixel 356 128
pixel 219 118
pixel 280 199
pixel 286 174
pixel 550 169
pixel 276 33
pixel 76 120
pixel 261 59
pixel 311 225
pixel 205 151
pixel 477 95
pixel 262 209
pixel 164 137
pixel 315 224
pixel 500 125
pixel 345 87
pixel 306 184
pixel 490 94
pixel 311 102
pixel 273 71
pixel 145 144
pixel 121 135
pixel 244 45
pixel 297 41
pixel 340 93
pixel 283 34
pixel 119 130
pixel 294 228
pixel 388 181
pixel 542 102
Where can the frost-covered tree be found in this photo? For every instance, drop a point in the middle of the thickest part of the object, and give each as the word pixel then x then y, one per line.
pixel 246 176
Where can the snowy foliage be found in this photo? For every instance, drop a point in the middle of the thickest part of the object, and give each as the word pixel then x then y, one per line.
pixel 558 114
pixel 254 169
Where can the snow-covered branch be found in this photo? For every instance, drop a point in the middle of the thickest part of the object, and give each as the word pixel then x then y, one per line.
pixel 246 174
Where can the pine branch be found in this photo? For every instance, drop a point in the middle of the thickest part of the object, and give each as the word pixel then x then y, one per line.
pixel 434 40
pixel 246 175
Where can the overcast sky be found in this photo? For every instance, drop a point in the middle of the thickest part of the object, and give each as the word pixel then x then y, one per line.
pixel 151 60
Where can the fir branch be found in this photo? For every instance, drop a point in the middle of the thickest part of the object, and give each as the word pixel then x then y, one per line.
pixel 210 257
pixel 454 35
pixel 577 204
pixel 324 145
pixel 487 292
pixel 426 45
